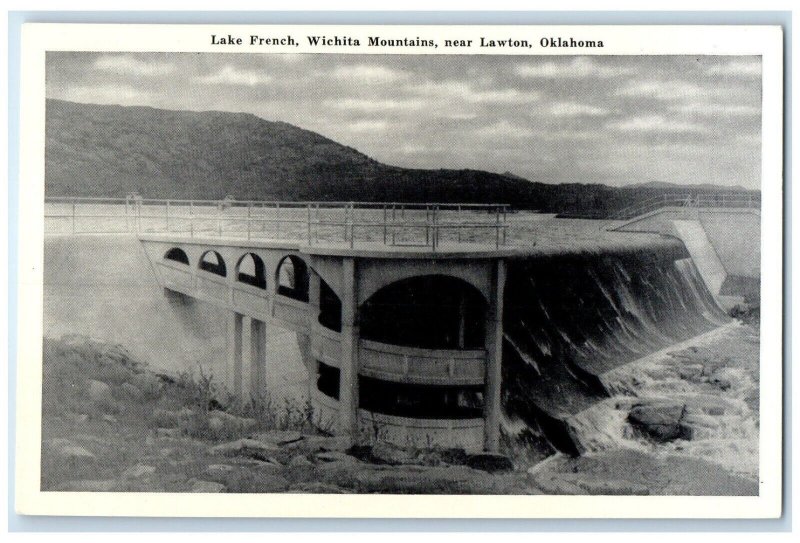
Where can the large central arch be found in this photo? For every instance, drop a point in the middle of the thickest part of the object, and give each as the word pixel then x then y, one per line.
pixel 429 311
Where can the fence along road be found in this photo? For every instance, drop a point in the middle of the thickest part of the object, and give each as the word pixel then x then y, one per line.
pixel 389 223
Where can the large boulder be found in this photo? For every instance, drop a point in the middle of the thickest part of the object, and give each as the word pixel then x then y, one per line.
pixel 661 421
pixel 75 452
pixel 317 488
pixel 207 487
pixel 248 448
pixel 139 470
pixel 391 454
pixel 100 392
pixel 336 457
pixel 311 444
pixel 491 462
pixel 278 437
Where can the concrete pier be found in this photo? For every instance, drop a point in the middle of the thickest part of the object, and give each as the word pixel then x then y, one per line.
pixel 234 369
pixel 258 359
pixel 348 371
pixel 494 358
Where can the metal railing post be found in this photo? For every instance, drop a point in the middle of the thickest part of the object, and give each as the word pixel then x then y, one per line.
pixel 505 224
pixel 191 218
pixel 427 225
pixel 434 230
pixel 350 218
pixel 249 216
pixel 308 222
pixel 385 226
pixel 394 220
pixel 458 228
pixel 497 228
pixel 278 219
pixel 166 213
pixel 73 216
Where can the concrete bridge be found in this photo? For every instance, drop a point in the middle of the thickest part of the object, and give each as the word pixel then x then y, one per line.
pixel 402 341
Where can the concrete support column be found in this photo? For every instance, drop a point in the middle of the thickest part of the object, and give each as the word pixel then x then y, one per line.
pixel 348 374
pixel 494 358
pixel 258 360
pixel 314 289
pixel 233 369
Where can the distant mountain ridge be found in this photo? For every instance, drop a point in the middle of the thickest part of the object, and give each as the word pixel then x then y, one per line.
pixel 110 151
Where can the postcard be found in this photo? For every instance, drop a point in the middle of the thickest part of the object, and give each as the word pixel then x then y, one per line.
pixel 399 271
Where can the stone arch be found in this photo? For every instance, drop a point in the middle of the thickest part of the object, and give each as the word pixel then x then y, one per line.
pixel 427 311
pixel 176 254
pixel 292 278
pixel 250 270
pixel 212 262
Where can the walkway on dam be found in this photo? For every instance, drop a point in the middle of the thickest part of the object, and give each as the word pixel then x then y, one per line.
pixel 338 228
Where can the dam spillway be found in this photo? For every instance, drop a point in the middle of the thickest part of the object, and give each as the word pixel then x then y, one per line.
pixel 439 382
pixel 404 343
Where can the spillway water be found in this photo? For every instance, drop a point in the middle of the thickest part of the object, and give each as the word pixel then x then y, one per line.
pixel 571 319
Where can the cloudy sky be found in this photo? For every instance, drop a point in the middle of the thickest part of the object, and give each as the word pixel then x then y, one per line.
pixel 615 120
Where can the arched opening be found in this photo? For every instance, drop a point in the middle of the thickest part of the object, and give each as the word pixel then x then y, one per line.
pixel 212 262
pixel 292 278
pixel 250 270
pixel 431 312
pixel 178 255
pixel 330 308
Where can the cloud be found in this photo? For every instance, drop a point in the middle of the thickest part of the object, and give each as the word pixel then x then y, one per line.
pixel 656 123
pixel 504 129
pixel 230 75
pixel 461 90
pixel 737 68
pixel 663 90
pixel 718 109
pixel 574 109
pixel 578 67
pixel 374 105
pixel 366 73
pixel 131 65
pixel 375 125
pixel 106 94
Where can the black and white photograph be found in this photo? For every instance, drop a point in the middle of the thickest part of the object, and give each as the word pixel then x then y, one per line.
pixel 474 266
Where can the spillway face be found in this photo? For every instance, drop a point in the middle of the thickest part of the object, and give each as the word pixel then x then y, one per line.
pixel 569 319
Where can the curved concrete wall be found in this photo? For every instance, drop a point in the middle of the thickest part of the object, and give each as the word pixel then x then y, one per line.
pixel 728 250
pixel 736 237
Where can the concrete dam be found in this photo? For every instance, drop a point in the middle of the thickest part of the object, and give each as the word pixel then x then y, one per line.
pixel 433 329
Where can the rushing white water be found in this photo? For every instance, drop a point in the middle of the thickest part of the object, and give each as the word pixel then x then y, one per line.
pixel 714 375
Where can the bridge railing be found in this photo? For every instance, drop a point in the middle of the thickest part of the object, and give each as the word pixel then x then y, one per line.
pixel 724 200
pixel 349 223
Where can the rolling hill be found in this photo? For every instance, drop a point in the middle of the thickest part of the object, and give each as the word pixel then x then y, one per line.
pixel 109 151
